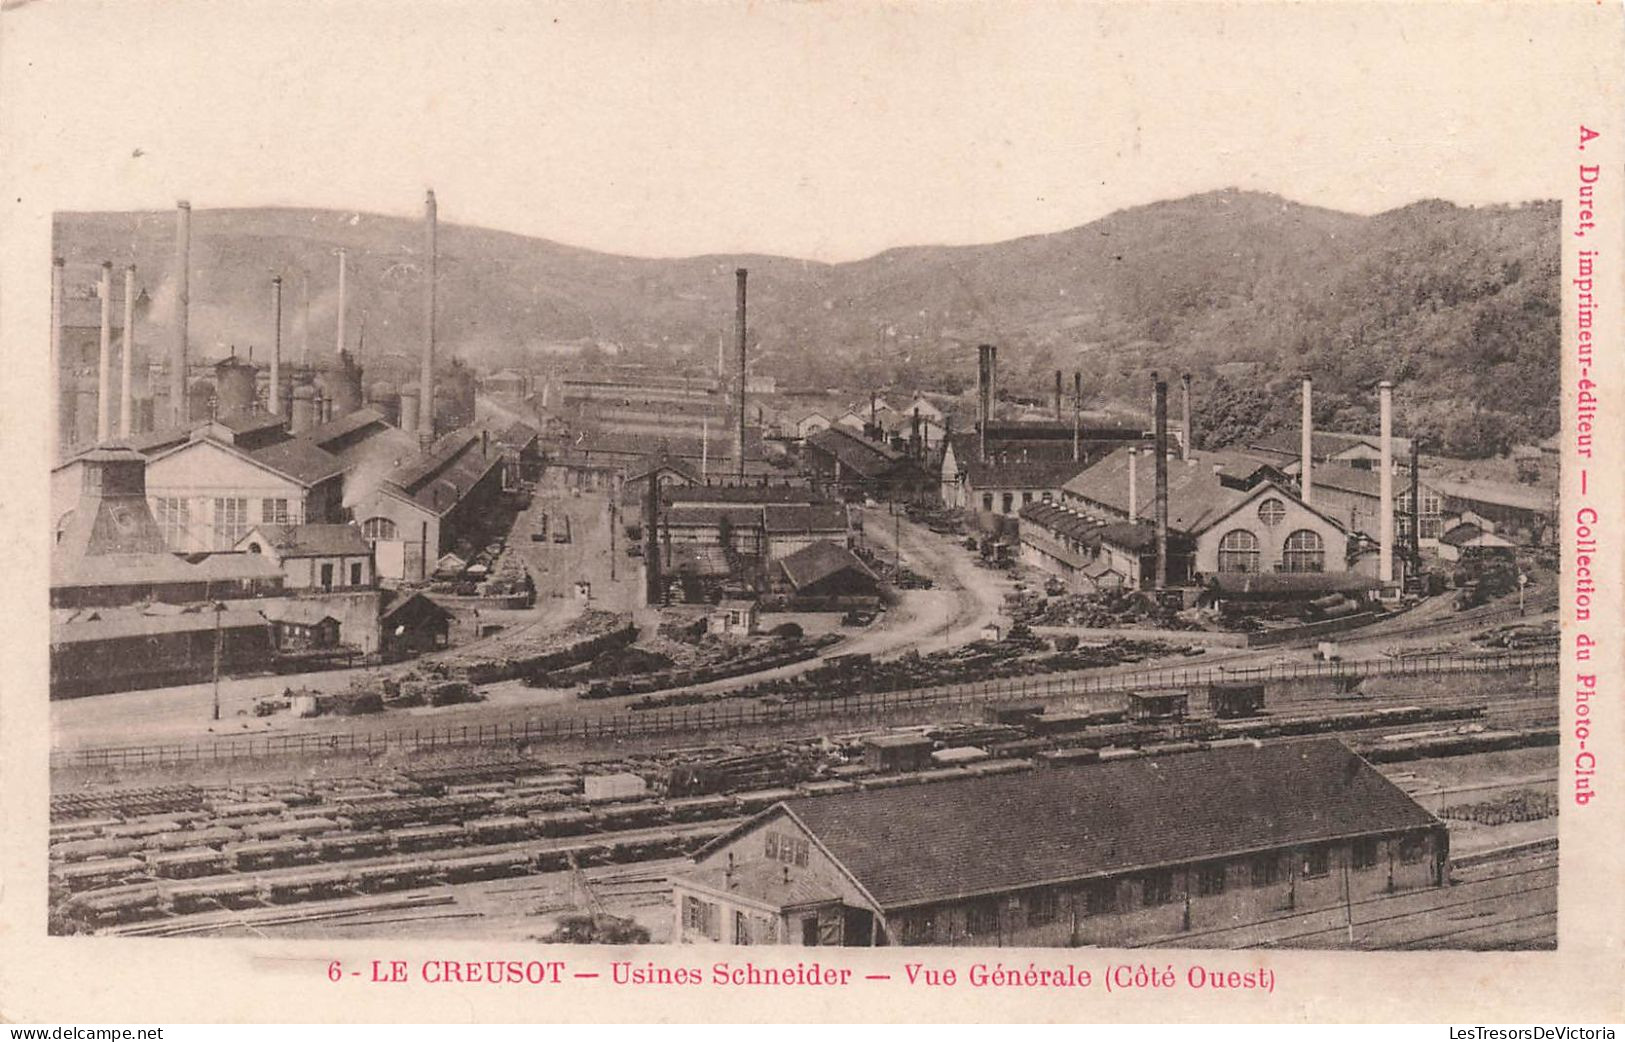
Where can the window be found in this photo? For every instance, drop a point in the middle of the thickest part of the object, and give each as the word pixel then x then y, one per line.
pixel 230 521
pixel 1316 862
pixel 174 517
pixel 987 502
pixel 1238 551
pixel 1412 849
pixel 1157 889
pixel 274 511
pixel 375 528
pixel 982 919
pixel 1272 511
pixel 1040 907
pixel 1365 853
pixel 741 928
pixel 1049 497
pixel 1209 880
pixel 1009 502
pixel 327 576
pixel 1266 870
pixel 1099 899
pixel 919 928
pixel 1026 498
pixel 355 574
pixel 787 849
pixel 1304 552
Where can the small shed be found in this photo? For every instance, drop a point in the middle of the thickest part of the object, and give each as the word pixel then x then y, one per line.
pixel 601 788
pixel 736 618
pixel 1157 705
pixel 414 624
pixel 958 756
pixel 1231 700
pixel 302 625
pixel 897 752
pixel 991 631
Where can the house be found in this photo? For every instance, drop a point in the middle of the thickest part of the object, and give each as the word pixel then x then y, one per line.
pixel 732 618
pixel 413 624
pixel 302 625
pixel 1003 487
pixel 206 493
pixel 314 557
pixel 520 446
pixel 1134 851
pixel 827 569
pixel 432 505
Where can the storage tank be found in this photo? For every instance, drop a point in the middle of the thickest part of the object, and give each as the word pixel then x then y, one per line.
pixel 235 382
pixel 200 398
pixel 409 407
pixel 340 382
pixel 383 397
pixel 303 414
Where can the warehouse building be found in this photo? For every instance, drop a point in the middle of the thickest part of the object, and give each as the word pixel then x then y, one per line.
pixel 1128 852
pixel 427 507
pixel 854 466
pixel 826 570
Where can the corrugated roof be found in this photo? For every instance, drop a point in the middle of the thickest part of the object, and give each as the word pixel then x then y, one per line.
pixel 819 561
pixel 995 834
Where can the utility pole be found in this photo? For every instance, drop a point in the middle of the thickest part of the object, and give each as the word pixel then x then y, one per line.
pixel 218 608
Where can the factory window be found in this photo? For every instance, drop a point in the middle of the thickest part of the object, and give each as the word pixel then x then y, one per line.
pixel 174 517
pixel 230 521
pixel 741 928
pixel 1009 501
pixel 1365 853
pixel 1316 862
pixel 355 574
pixel 982 918
pixel 1209 880
pixel 1304 552
pixel 1266 870
pixel 987 502
pixel 375 528
pixel 1049 497
pixel 1412 849
pixel 1157 889
pixel 1099 899
pixel 1238 551
pixel 274 511
pixel 1272 511
pixel 1026 498
pixel 1040 907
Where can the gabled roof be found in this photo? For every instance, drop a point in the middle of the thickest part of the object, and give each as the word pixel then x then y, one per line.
pixel 299 460
pixel 991 835
pixel 804 517
pixel 866 458
pixel 311 540
pixel 304 613
pixel 249 423
pixel 819 561
pixel 439 480
pixel 1019 474
pixel 1497 493
pixel 342 427
pixel 656 462
pixel 116 624
pixel 1324 444
pixel 1198 496
pixel 742 494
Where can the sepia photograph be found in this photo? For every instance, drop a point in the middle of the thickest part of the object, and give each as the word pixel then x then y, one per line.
pixel 604 499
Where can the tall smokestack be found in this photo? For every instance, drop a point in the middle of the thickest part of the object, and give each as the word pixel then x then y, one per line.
pixel 57 273
pixel 651 542
pixel 984 396
pixel 1160 401
pixel 1416 502
pixel 1133 484
pixel 344 298
pixel 183 307
pixel 126 398
pixel 1077 416
pixel 274 394
pixel 431 220
pixel 739 332
pixel 1187 440
pixel 1057 396
pixel 1306 477
pixel 104 360
pixel 1385 483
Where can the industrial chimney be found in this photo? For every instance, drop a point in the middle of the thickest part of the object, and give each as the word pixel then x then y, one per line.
pixel 1187 436
pixel 426 377
pixel 1160 401
pixel 64 392
pixel 739 332
pixel 1416 502
pixel 984 381
pixel 1077 416
pixel 126 401
pixel 274 392
pixel 344 298
pixel 1133 484
pixel 1306 478
pixel 183 307
pixel 104 360
pixel 652 581
pixel 1057 396
pixel 1385 483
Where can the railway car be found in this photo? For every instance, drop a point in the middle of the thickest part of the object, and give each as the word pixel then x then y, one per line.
pixel 256 855
pixel 1233 699
pixel 761 799
pixel 86 849
pixel 214 894
pixel 1068 757
pixel 700 808
pixel 124 905
pixel 501 829
pixel 427 837
pixel 828 787
pixel 289 827
pixel 347 846
pixel 189 864
pixel 194 837
pixel 485 866
pixel 313 885
pixel 100 873
pixel 140 829
pixel 643 814
pixel 563 822
pixel 398 875
pixel 245 808
pixel 1144 706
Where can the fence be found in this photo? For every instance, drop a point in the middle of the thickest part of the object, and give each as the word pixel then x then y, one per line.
pixel 723 716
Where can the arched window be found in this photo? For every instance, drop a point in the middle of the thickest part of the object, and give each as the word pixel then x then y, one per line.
pixel 1305 551
pixel 375 528
pixel 1238 551
pixel 1272 511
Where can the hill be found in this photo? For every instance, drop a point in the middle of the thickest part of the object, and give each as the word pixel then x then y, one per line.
pixel 1458 306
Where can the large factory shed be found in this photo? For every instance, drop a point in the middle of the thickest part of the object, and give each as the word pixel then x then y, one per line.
pixel 1113 853
pixel 425 508
pixel 826 569
pixel 207 493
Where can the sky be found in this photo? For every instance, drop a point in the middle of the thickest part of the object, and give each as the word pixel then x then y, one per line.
pixel 827 131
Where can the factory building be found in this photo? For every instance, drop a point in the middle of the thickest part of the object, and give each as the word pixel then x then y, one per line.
pixel 432 504
pixel 1097 855
pixel 1004 487
pixel 1358 451
pixel 368 447
pixel 316 557
pixel 1095 556
pixel 826 569
pixel 769 531
pixel 207 493
pixel 854 466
